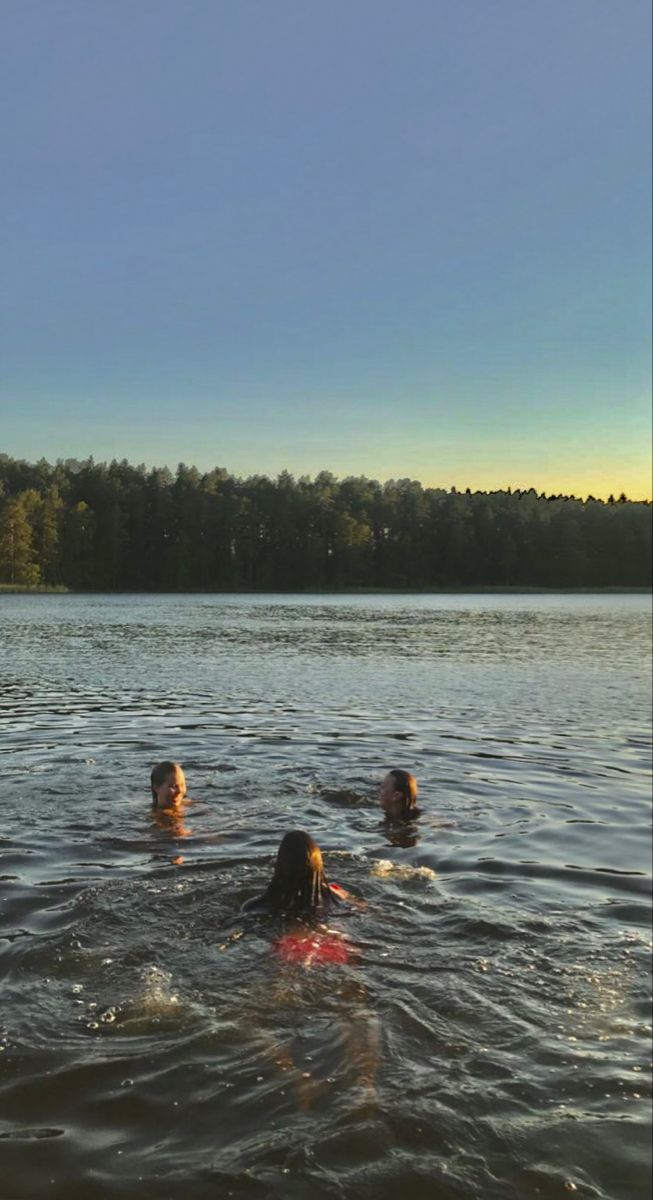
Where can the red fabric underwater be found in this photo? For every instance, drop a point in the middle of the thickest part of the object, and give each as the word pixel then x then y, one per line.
pixel 312 948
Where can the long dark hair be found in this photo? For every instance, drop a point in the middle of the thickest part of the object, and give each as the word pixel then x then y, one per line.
pixel 298 883
pixel 406 785
pixel 159 775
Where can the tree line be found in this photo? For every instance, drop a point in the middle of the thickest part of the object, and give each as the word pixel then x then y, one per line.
pixel 117 527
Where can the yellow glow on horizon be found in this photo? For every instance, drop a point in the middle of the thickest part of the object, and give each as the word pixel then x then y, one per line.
pixel 600 486
pixel 629 474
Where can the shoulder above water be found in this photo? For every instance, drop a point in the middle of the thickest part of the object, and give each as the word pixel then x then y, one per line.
pixel 261 904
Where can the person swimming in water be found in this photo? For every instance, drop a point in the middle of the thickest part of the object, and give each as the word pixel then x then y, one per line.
pixel 300 894
pixel 398 795
pixel 168 785
pixel 298 885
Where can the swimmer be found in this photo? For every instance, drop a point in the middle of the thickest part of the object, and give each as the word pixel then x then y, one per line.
pixel 300 893
pixel 298 884
pixel 398 796
pixel 168 785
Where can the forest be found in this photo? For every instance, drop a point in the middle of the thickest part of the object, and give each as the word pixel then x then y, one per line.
pixel 91 526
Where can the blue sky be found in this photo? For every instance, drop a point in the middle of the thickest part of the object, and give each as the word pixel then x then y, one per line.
pixel 386 239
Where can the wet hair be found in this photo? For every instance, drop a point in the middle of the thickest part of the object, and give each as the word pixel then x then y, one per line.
pixel 298 883
pixel 159 775
pixel 406 785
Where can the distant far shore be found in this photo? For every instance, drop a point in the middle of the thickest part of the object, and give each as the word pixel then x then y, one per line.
pixel 499 590
pixel 20 589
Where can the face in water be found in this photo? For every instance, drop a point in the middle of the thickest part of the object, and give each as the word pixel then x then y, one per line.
pixel 172 791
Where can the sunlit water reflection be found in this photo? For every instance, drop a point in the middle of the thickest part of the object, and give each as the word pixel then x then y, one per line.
pixel 490 1034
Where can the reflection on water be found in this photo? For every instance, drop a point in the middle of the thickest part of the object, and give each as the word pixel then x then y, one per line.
pixel 489 1037
pixel 172 825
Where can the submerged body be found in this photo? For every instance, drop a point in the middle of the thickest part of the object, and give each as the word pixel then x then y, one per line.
pixel 316 947
pixel 301 895
pixel 299 889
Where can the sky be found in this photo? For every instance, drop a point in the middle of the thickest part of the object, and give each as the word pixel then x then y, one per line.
pixel 387 239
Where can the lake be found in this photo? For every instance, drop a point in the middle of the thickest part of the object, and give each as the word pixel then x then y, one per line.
pixel 490 1036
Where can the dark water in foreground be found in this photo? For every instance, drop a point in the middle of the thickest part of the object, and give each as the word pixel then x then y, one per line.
pixel 491 1036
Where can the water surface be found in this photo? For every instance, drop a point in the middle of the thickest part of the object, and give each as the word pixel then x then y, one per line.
pixel 491 1035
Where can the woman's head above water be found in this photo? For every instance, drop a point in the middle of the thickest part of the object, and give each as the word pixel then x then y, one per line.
pixel 398 794
pixel 298 853
pixel 298 883
pixel 168 785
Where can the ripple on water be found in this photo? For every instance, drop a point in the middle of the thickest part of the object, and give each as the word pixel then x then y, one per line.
pixel 490 1035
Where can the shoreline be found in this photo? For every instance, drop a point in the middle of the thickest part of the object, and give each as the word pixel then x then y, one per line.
pixel 11 589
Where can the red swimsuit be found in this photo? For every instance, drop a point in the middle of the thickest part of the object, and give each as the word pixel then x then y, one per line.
pixel 314 947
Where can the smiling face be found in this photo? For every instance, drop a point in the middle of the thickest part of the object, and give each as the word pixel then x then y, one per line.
pixel 171 791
